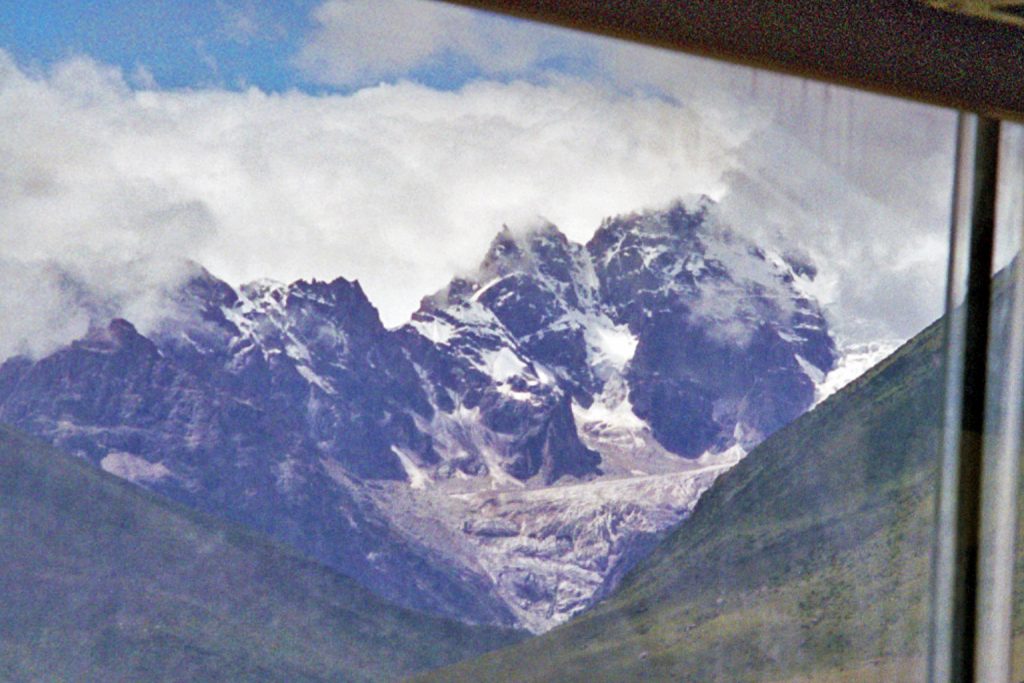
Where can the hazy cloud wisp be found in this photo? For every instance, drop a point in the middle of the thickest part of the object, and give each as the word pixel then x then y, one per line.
pixel 360 42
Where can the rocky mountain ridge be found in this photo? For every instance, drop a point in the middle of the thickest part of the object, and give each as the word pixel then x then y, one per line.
pixel 504 456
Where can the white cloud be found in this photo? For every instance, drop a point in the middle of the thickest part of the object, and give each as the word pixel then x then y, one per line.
pixel 356 42
pixel 860 182
pixel 871 208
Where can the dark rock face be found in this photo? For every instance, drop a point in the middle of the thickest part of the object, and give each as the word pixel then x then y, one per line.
pixel 231 406
pixel 719 328
pixel 485 344
pixel 716 350
pixel 286 407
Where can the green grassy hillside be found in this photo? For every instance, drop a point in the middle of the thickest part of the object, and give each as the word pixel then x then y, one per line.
pixel 100 581
pixel 810 558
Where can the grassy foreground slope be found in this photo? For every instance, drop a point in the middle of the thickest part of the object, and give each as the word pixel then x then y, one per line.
pixel 809 557
pixel 101 581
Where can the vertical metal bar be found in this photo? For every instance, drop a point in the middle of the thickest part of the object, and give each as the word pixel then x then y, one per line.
pixel 952 656
pixel 979 298
pixel 1004 416
pixel 940 637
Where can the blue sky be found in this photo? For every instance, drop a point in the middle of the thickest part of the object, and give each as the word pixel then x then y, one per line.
pixel 235 44
pixel 181 43
pixel 193 43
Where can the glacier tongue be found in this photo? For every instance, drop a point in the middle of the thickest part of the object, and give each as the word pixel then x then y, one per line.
pixel 551 552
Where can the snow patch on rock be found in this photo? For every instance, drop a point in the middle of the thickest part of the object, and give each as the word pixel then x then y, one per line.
pixel 418 478
pixel 134 468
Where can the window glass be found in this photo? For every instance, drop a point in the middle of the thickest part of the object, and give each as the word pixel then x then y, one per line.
pixel 629 360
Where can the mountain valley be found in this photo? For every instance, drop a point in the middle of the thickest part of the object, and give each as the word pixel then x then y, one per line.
pixel 103 581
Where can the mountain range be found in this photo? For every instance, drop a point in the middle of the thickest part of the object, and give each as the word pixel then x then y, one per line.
pixel 503 458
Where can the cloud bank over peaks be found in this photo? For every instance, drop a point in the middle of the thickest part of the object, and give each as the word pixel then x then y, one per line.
pixel 45 304
pixel 289 186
